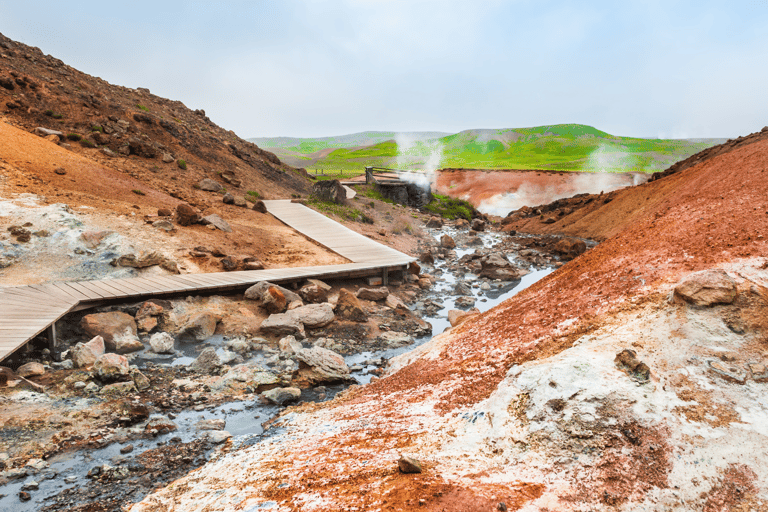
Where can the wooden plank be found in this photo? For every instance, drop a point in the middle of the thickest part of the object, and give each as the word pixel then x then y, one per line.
pixel 69 290
pixel 96 290
pixel 54 294
pixel 109 292
pixel 129 284
pixel 30 295
pixel 78 286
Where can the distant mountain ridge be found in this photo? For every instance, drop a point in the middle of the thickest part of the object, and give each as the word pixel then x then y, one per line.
pixel 574 147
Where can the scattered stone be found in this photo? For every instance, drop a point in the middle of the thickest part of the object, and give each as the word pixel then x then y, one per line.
pixel 160 425
pixel 253 264
pixel 393 339
pixel 30 369
pixel 728 371
pixel 140 380
pixel 289 345
pixel 85 354
pixel 281 396
pixel 283 324
pixel 211 424
pixel 45 132
pixel 168 158
pixel 217 436
pixel 627 361
pixel 465 302
pixel 117 329
pixel 497 266
pixel 201 326
pixel 456 316
pixel 142 260
pixel 163 224
pixel 348 307
pixel 273 300
pixel 315 291
pixel 478 225
pixel 24 496
pixel 111 367
pixel 126 449
pixel 217 222
pixel 447 242
pixel 240 202
pixel 427 258
pixel 569 247
pixel 259 206
pixel 394 302
pixel 207 363
pixel 373 293
pixel 314 316
pixel 228 198
pixel 257 291
pixel 210 185
pixel 435 222
pixel 319 365
pixel 118 389
pixel 759 372
pixel 186 215
pixel 409 465
pixel 706 288
pixel 60 171
pixel 162 343
pixel 91 387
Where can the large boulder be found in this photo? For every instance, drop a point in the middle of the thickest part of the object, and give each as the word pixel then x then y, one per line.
pixel 31 369
pixel 259 206
pixel 274 300
pixel 330 191
pixel 200 326
pixel 283 324
pixel 207 363
pixel 348 307
pixel 111 368
pixel 373 293
pixel 314 316
pixel 319 365
pixel 706 288
pixel 116 328
pixel 142 260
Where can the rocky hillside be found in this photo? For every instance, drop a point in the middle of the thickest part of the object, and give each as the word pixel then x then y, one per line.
pixel 633 378
pixel 133 130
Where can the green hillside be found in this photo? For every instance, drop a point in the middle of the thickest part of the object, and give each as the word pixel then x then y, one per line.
pixel 562 147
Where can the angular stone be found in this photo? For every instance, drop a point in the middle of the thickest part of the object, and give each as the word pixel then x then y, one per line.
pixel 758 371
pixel 257 291
pixel 228 198
pixel 569 247
pixel 319 365
pixel 497 266
pixel 373 293
pixel 447 242
pixel 465 302
pixel 435 222
pixel 118 389
pixel 393 301
pixel 207 363
pixel 348 307
pixel 240 202
pixel 114 327
pixel 409 465
pixel 706 288
pixel 162 343
pixel 281 396
pixel 314 316
pixel 210 185
pixel 111 367
pixel 141 260
pixel 259 206
pixel 160 425
pixel 140 380
pixel 329 191
pixel 478 225
pixel 30 369
pixel 728 371
pixel 201 326
pixel 217 436
pixel 85 354
pixel 456 316
pixel 274 300
pixel 289 345
pixel 283 324
pixel 186 215
pixel 217 222
pixel 211 424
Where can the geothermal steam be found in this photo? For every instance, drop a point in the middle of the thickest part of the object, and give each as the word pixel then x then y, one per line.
pixel 414 152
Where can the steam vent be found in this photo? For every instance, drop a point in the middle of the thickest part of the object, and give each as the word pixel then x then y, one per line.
pixel 391 186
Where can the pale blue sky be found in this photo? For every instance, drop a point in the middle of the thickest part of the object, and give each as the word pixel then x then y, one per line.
pixel 314 68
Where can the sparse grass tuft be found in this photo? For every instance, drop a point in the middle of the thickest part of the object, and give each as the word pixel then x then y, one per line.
pixel 97 128
pixel 340 210
pixel 138 192
pixel 182 164
pixel 74 136
pixel 87 143
pixel 142 107
pixel 450 208
pixel 252 196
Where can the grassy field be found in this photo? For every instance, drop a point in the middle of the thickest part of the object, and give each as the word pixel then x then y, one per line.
pixel 571 147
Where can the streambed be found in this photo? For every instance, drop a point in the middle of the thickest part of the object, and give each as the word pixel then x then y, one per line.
pixel 69 479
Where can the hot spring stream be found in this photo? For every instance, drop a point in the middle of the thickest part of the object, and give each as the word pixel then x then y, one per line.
pixel 244 419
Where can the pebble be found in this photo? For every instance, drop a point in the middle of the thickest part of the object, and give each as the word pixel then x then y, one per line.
pixel 24 496
pixel 70 479
pixel 30 486
pixel 126 449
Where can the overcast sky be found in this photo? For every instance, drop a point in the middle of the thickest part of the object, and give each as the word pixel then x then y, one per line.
pixel 314 68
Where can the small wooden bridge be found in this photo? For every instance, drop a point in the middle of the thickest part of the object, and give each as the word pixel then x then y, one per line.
pixel 27 311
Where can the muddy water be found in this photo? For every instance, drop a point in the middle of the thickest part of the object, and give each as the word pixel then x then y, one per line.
pixel 244 419
pixel 500 192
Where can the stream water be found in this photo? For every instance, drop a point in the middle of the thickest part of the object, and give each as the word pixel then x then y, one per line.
pixel 244 419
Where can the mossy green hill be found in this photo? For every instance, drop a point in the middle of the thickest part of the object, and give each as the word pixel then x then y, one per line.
pixel 572 147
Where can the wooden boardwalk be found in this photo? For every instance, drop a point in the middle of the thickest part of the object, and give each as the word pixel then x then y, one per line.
pixel 27 311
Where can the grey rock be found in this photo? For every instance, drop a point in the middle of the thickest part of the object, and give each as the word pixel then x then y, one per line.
pixel 281 396
pixel 207 363
pixel 314 316
pixel 200 326
pixel 162 343
pixel 409 465
pixel 210 185
pixel 706 288
pixel 373 293
pixel 319 365
pixel 283 324
pixel 217 222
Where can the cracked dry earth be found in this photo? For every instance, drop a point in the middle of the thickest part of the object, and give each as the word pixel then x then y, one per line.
pixel 528 407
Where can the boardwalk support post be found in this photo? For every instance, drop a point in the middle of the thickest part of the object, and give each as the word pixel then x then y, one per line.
pixel 384 276
pixel 52 336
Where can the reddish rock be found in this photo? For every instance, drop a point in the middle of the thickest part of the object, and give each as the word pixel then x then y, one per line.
pixel 348 307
